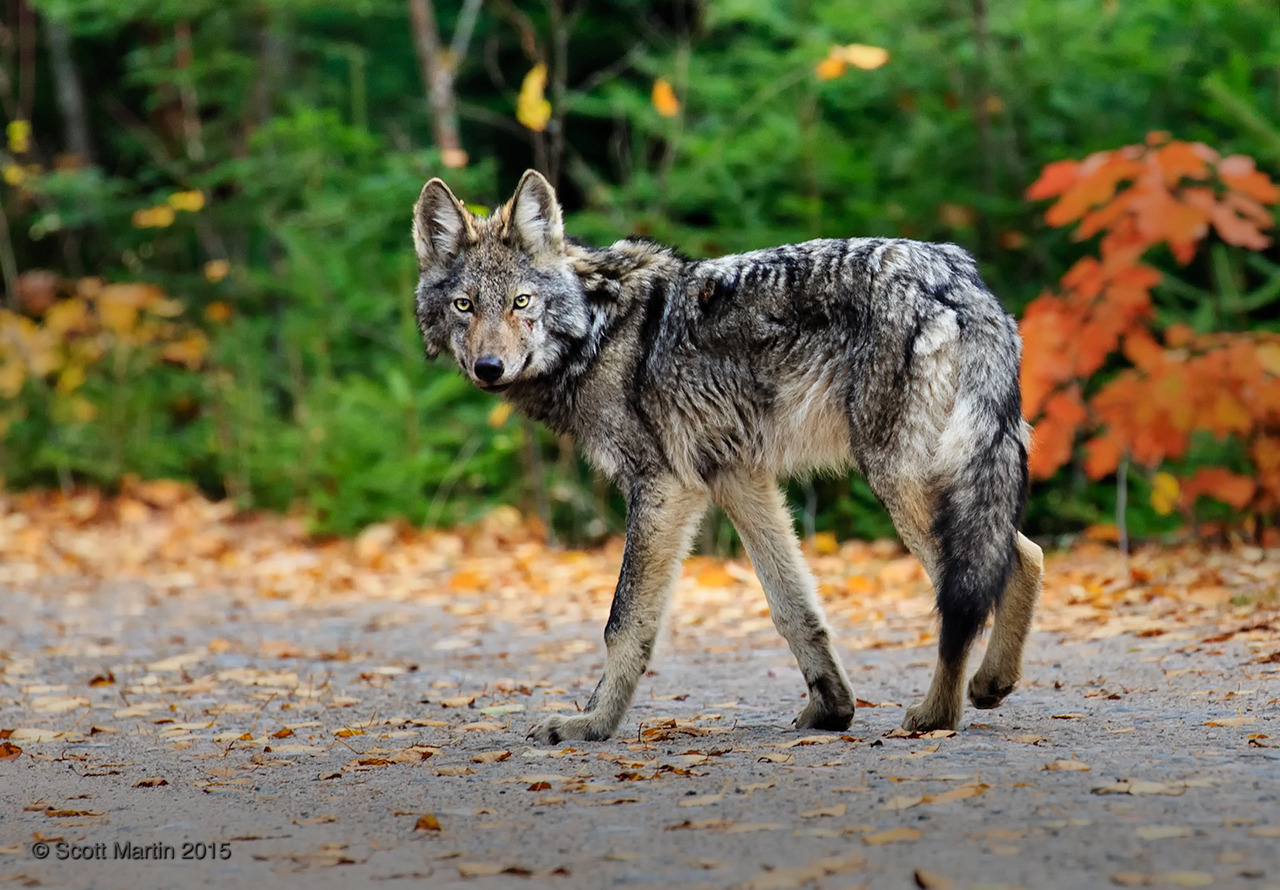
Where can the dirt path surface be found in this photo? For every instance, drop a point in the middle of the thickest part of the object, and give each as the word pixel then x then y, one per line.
pixel 353 714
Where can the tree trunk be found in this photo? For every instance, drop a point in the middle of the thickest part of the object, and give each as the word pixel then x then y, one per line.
pixel 69 92
pixel 437 66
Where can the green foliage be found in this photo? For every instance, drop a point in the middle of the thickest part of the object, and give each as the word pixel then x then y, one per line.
pixel 304 126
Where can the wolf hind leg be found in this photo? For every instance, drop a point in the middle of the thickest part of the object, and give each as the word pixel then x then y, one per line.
pixel 911 505
pixel 1001 667
pixel 758 510
pixel 662 516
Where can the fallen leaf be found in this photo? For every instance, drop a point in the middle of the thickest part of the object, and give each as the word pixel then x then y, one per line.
pixel 9 752
pixel 834 810
pixel 154 782
pixel 931 880
pixel 455 771
pixel 811 740
pixel 490 756
pixel 69 814
pixel 903 801
pixel 1161 832
pixel 961 793
pixel 1066 766
pixel 427 822
pixel 1127 787
pixel 458 701
pixel 892 836
pixel 322 819
pixel 705 799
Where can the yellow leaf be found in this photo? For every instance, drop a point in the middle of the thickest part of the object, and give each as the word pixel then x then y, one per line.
pixel 158 217
pixel 71 378
pixel 1164 493
pixel 13 374
pixel 189 201
pixel 427 822
pixel 825 544
pixel 664 98
pixel 189 351
pixel 19 133
pixel 66 316
pixel 118 309
pixel 830 68
pixel 13 174
pixel 216 270
pixel 499 415
pixel 532 108
pixel 166 308
pixel 861 56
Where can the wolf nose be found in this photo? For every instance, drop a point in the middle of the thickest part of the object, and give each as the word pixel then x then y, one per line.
pixel 489 368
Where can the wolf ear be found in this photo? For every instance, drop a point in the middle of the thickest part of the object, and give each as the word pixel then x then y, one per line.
pixel 535 215
pixel 441 226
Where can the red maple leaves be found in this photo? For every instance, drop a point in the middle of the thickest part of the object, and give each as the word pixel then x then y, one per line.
pixel 1177 383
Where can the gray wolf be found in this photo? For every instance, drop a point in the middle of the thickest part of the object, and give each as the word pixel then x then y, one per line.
pixel 691 381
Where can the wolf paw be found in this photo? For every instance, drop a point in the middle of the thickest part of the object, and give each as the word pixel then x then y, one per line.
pixel 924 718
pixel 988 692
pixel 556 729
pixel 816 715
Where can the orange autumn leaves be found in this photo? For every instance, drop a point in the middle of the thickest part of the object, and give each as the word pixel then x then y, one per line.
pixel 1178 383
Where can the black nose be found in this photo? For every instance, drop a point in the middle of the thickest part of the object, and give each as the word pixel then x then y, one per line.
pixel 489 368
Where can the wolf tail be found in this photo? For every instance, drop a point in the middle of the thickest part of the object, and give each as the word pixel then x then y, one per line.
pixel 981 485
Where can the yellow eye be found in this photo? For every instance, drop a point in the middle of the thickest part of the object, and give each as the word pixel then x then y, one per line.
pixel 521 301
pixel 462 304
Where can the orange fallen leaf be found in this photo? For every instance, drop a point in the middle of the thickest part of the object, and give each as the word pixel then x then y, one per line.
pixel 427 822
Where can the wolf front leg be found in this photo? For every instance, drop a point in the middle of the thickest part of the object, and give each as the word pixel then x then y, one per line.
pixel 662 516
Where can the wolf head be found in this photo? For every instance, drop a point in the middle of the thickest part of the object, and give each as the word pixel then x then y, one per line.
pixel 499 293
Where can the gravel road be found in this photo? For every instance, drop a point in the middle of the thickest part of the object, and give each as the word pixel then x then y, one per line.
pixel 349 741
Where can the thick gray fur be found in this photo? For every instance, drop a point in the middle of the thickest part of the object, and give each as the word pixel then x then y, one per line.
pixel 691 381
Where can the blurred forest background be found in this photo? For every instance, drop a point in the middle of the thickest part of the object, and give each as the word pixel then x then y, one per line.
pixel 208 273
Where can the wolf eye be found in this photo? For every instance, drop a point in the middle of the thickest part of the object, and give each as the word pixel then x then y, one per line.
pixel 520 301
pixel 462 304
